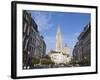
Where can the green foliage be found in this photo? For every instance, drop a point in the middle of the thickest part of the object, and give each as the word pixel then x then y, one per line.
pixel 35 60
pixel 47 57
pixel 46 61
pixel 72 62
pixel 84 62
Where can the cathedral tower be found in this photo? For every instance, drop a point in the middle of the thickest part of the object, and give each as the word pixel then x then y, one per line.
pixel 58 40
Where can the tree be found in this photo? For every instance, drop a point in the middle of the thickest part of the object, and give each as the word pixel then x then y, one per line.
pixel 47 57
pixel 46 61
pixel 85 62
pixel 35 60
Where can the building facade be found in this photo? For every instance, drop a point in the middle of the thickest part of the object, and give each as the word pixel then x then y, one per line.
pixel 33 43
pixel 82 49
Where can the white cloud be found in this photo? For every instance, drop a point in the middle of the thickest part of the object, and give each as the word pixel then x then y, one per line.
pixel 42 19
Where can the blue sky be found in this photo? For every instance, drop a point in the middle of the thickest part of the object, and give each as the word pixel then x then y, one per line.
pixel 71 24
